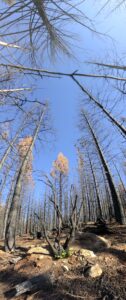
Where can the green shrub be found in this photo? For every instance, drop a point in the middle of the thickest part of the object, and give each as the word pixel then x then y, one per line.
pixel 63 254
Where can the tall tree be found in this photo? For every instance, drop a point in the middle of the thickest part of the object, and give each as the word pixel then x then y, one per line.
pixel 118 207
pixel 60 171
pixel 13 212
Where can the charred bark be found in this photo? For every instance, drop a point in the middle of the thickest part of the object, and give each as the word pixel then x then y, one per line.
pixel 117 204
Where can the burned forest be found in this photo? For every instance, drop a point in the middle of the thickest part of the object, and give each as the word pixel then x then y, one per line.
pixel 62 150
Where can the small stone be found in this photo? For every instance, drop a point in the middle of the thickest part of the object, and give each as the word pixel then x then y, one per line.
pixel 65 268
pixel 93 271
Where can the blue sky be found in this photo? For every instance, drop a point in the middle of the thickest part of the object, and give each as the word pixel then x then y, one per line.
pixel 64 97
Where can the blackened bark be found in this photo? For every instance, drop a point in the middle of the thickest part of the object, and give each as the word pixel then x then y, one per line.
pixel 117 204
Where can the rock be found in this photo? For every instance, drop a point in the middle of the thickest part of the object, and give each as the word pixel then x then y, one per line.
pixel 38 250
pixel 74 248
pixel 86 253
pixel 93 271
pixel 65 268
pixel 90 241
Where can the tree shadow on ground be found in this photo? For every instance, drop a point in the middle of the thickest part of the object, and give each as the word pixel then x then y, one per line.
pixel 45 288
pixel 73 285
pixel 12 277
pixel 120 254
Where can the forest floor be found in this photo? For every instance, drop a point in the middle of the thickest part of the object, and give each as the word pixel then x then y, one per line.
pixel 64 278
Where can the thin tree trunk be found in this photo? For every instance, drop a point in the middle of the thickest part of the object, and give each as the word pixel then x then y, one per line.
pixel 12 217
pixel 88 200
pixel 96 189
pixel 4 181
pixel 60 193
pixel 8 204
pixel 27 218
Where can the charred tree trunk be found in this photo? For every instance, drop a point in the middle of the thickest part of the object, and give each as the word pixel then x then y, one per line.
pixel 13 212
pixel 117 204
pixel 96 189
pixel 60 193
pixel 8 204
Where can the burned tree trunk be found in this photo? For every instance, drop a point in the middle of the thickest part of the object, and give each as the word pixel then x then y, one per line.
pixel 13 212
pixel 96 189
pixel 117 204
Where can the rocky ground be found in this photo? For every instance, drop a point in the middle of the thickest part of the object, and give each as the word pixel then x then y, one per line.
pixel 96 269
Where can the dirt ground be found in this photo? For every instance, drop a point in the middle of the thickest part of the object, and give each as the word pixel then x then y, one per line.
pixel 52 281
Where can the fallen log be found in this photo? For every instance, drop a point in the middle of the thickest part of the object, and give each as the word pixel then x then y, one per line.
pixel 23 287
pixel 43 281
pixel 14 260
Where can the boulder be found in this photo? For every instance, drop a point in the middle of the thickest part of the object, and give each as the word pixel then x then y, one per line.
pixel 38 250
pixel 93 271
pixel 90 241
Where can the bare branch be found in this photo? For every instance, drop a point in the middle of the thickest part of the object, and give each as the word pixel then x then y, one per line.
pixel 109 116
pixel 15 90
pixel 111 66
pixel 56 73
pixel 4 44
